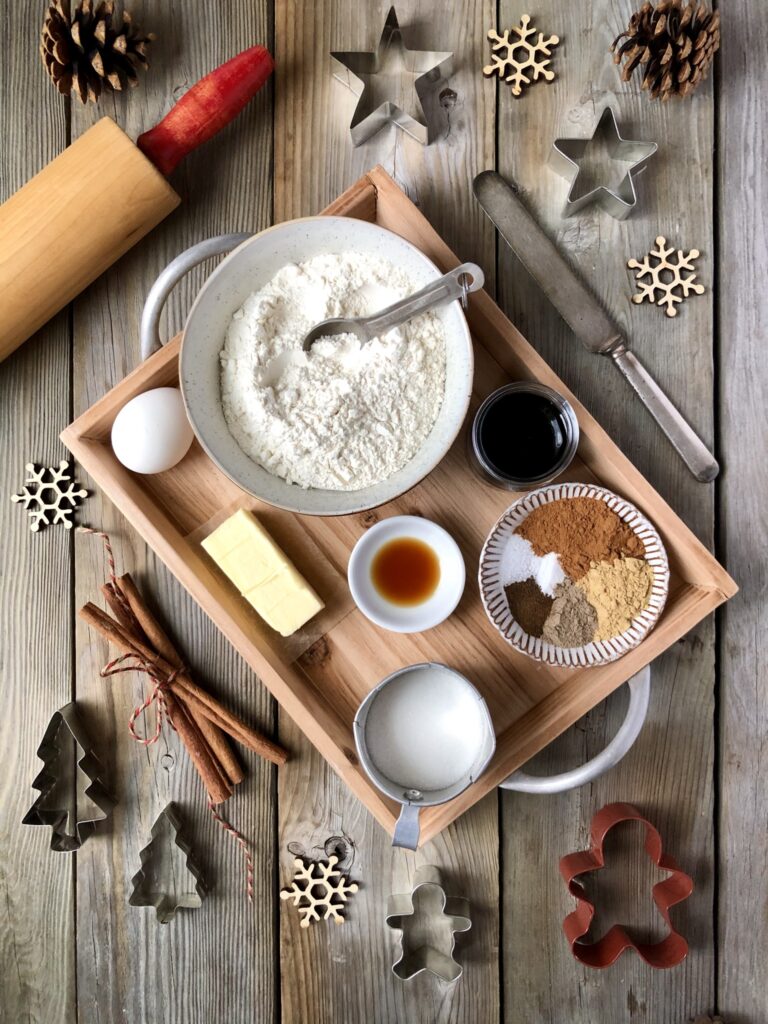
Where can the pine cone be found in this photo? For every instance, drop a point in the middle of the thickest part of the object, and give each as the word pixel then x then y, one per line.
pixel 674 43
pixel 85 53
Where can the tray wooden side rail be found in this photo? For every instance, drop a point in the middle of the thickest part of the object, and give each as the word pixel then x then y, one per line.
pixel 321 674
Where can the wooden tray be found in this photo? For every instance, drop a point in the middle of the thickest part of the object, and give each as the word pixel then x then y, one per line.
pixel 321 675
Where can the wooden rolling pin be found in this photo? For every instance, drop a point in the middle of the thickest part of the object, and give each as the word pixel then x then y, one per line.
pixel 71 222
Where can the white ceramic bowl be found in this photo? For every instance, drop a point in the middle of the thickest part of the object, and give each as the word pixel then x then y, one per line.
pixel 249 268
pixel 411 618
pixel 598 652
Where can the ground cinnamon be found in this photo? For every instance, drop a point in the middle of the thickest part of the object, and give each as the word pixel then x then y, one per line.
pixel 581 531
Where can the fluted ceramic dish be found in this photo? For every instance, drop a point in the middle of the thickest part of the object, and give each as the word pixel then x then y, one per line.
pixel 599 652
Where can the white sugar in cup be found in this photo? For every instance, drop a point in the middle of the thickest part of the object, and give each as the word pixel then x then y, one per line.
pixel 424 730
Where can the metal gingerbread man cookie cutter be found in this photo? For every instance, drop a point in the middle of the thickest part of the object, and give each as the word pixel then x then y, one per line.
pixel 420 953
pixel 678 886
pixel 620 201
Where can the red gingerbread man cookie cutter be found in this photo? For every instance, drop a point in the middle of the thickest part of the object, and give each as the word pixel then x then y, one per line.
pixel 673 948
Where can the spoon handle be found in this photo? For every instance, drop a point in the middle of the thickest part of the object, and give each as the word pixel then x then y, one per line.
pixel 467 277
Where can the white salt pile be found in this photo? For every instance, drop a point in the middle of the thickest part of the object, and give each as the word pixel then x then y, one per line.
pixel 520 562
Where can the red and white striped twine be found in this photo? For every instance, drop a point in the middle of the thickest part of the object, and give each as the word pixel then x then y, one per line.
pixel 157 694
pixel 110 563
pixel 242 843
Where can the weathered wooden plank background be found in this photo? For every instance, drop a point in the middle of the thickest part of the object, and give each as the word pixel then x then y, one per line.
pixel 70 947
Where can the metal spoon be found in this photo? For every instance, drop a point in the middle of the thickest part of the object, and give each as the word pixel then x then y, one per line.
pixel 455 285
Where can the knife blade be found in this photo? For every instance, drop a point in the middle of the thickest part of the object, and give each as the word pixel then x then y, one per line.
pixel 584 314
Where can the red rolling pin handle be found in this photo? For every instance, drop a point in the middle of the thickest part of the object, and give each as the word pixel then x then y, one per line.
pixel 208 106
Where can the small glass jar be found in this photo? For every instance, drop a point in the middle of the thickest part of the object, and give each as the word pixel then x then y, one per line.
pixel 563 420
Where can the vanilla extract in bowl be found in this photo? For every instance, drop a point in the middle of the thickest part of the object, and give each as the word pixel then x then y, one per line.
pixel 406 571
pixel 524 435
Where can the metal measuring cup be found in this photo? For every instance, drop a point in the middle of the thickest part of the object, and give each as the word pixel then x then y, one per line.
pixel 416 716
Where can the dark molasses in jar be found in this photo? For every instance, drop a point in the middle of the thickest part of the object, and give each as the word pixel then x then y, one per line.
pixel 524 435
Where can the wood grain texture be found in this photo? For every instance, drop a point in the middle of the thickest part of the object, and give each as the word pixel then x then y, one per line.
pixel 222 962
pixel 669 772
pixel 346 975
pixel 217 962
pixel 743 500
pixel 37 945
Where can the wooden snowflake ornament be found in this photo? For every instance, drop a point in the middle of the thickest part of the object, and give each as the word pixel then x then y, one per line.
pixel 660 276
pixel 522 59
pixel 318 886
pixel 50 495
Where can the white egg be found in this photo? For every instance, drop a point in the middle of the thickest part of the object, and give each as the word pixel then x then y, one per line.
pixel 151 433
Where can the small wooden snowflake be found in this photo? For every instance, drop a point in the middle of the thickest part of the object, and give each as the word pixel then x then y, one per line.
pixel 522 59
pixel 50 495
pixel 316 887
pixel 665 283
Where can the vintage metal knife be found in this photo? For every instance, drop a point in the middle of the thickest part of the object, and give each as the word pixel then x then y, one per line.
pixel 584 315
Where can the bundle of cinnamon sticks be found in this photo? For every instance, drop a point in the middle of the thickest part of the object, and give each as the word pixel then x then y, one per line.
pixel 200 720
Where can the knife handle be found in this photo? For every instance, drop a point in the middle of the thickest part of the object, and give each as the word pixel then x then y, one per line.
pixel 686 442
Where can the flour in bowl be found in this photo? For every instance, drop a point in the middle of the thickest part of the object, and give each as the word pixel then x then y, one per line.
pixel 344 415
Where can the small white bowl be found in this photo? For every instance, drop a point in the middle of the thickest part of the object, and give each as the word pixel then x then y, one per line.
pixel 411 618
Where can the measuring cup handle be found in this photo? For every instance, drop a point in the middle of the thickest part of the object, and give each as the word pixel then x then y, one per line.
pixel 639 695
pixel 456 284
pixel 170 277
pixel 407 828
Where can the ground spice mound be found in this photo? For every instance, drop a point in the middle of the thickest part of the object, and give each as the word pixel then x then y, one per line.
pixel 529 606
pixel 581 531
pixel 572 622
pixel 618 591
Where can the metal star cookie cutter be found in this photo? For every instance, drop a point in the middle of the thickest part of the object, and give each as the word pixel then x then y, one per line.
pixel 431 66
pixel 619 202
pixel 452 912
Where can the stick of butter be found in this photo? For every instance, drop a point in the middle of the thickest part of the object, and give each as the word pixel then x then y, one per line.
pixel 248 556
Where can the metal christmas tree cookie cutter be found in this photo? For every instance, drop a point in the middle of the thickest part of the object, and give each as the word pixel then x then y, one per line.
pixel 58 804
pixel 451 911
pixel 352 68
pixel 620 201
pixel 159 888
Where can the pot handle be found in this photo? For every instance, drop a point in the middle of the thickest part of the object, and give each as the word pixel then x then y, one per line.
pixel 407 828
pixel 169 278
pixel 639 694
